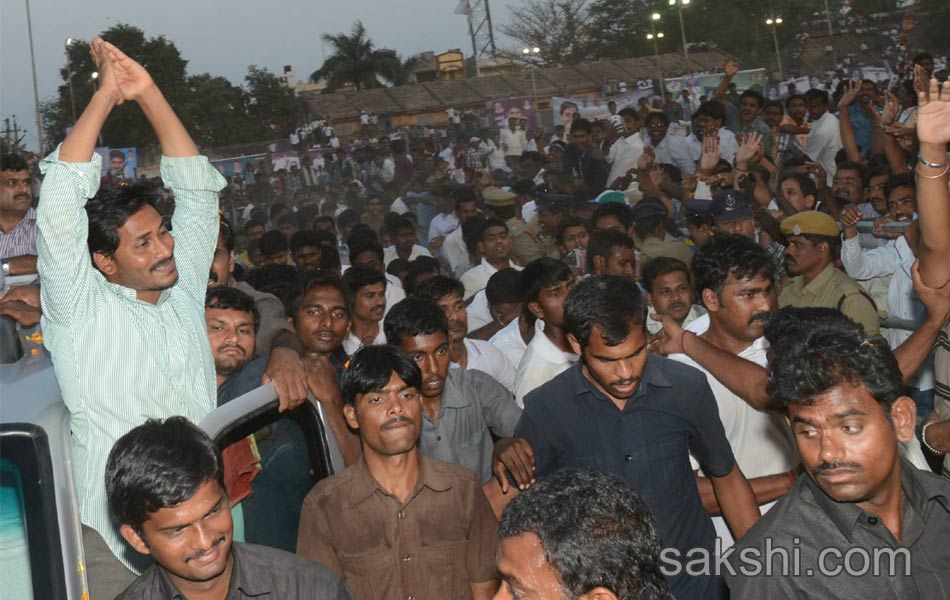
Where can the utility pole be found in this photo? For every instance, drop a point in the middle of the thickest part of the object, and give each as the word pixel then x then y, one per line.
pixel 36 89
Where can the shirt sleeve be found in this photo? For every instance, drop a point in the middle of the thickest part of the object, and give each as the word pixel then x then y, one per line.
pixel 545 455
pixel 63 262
pixel 865 264
pixel 498 407
pixel 273 321
pixel 860 309
pixel 313 537
pixel 195 184
pixel 707 440
pixel 482 539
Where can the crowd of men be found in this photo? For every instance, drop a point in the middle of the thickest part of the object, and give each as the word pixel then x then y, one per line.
pixel 627 365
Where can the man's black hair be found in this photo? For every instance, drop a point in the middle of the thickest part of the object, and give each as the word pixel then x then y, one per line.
pixel 897 181
pixel 315 279
pixel 357 278
pixel 610 302
pixel 571 222
pixel 415 268
pixel 816 94
pixel 788 101
pixel 273 242
pixel 581 125
pixel 504 287
pixel 657 115
pixel 364 243
pixel 371 368
pixel 595 532
pixel 659 266
pixel 397 224
pixel 325 238
pixel 712 109
pixel 777 103
pixel 629 112
pixel 439 287
pixel 288 219
pixel 251 225
pixel 602 241
pixel 117 154
pixel 159 465
pixel 829 353
pixel 414 316
pixel 646 226
pixel 861 170
pixel 759 98
pixel 788 325
pixel 227 234
pixel 472 232
pixel 229 298
pixel 541 273
pixel 347 217
pixel 13 162
pixel 724 255
pixel 324 219
pixel 805 183
pixel 277 208
pixel 110 209
pixel 330 259
pixel 489 223
pixel 303 239
pixel 623 213
pixel 920 57
pixel 279 280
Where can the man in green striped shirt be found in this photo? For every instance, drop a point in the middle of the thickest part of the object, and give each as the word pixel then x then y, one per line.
pixel 125 329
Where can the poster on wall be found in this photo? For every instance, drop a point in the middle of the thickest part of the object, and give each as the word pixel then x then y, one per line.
pixel 567 109
pixel 520 107
pixel 119 163
pixel 242 166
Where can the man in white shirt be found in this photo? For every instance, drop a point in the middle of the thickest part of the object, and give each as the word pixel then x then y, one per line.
pixel 546 283
pixel 495 247
pixel 369 307
pixel 669 149
pixel 446 221
pixel 625 152
pixel 669 291
pixel 403 234
pixel 366 251
pixel 824 139
pixel 736 279
pixel 711 118
pixel 513 143
pixel 465 352
pixel 453 248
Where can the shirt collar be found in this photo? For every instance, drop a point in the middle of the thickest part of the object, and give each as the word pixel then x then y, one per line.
pixel 364 485
pixel 452 396
pixel 818 282
pixel 918 491
pixel 242 580
pixel 546 349
pixel 652 376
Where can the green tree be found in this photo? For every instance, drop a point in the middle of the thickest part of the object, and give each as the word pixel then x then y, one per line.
pixel 273 106
pixel 355 61
pixel 218 112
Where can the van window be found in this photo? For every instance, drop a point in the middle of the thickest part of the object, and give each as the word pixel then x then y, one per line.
pixel 272 460
pixel 14 547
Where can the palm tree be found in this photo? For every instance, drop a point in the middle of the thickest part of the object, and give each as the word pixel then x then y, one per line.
pixel 354 61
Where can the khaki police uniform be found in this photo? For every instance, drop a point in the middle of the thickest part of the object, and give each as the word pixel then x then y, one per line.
pixel 832 289
pixel 652 247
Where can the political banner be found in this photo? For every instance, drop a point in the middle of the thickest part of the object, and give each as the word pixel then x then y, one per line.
pixel 566 110
pixel 241 166
pixel 119 163
pixel 520 107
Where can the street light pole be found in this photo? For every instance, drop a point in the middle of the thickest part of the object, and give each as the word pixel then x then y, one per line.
pixel 773 23
pixel 831 43
pixel 679 10
pixel 654 36
pixel 528 53
pixel 69 68
pixel 36 89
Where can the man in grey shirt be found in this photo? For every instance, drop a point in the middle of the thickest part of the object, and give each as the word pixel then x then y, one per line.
pixel 461 408
pixel 864 523
pixel 178 511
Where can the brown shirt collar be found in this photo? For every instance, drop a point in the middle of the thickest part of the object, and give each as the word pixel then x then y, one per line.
pixel 364 485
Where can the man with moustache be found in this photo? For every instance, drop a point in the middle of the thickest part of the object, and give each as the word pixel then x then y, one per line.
pixel 812 244
pixel 232 321
pixel 864 522
pixel 414 527
pixel 177 511
pixel 17 217
pixel 669 291
pixel 462 408
pixel 736 278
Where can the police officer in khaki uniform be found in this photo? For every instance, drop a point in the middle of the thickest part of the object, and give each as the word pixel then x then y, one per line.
pixel 813 243
pixel 648 223
pixel 502 204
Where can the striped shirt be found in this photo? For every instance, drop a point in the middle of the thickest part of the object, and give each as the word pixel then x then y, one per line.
pixel 118 360
pixel 21 240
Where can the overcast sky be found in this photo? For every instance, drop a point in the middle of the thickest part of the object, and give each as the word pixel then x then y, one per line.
pixel 221 38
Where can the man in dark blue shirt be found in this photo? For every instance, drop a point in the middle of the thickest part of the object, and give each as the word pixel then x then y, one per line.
pixel 639 416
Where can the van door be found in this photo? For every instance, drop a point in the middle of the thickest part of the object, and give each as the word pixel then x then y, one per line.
pixel 272 460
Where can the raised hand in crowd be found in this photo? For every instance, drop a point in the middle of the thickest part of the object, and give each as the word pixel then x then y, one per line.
pixel 710 156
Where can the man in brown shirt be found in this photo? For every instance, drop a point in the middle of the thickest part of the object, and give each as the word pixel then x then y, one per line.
pixel 398 525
